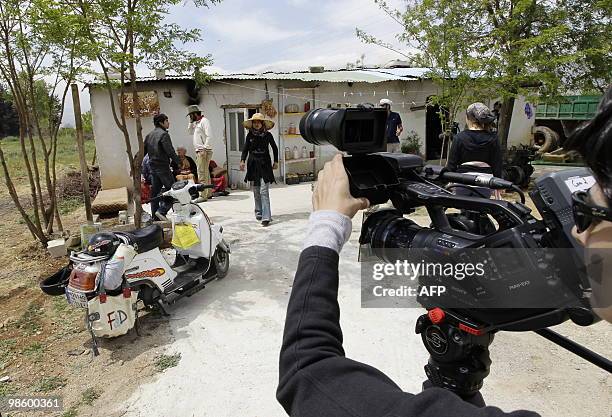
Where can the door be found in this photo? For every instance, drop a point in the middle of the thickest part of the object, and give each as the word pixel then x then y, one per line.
pixel 236 134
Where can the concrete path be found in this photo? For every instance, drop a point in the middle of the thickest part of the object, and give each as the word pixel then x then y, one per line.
pixel 230 333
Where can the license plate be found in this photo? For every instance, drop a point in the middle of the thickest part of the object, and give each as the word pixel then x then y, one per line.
pixel 76 299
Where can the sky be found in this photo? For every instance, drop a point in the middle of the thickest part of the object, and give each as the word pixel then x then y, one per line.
pixel 289 35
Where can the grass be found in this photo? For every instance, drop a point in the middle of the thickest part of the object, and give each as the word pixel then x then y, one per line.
pixel 71 412
pixel 90 395
pixel 35 352
pixel 29 322
pixel 49 384
pixel 6 350
pixel 69 205
pixel 67 157
pixel 7 389
pixel 163 362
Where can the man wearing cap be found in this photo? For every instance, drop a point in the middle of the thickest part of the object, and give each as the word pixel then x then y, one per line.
pixel 199 126
pixel 393 128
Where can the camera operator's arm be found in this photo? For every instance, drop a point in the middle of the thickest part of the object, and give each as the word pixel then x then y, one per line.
pixel 316 379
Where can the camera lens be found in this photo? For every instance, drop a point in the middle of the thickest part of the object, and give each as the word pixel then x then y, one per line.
pixel 322 127
pixel 387 230
pixel 356 131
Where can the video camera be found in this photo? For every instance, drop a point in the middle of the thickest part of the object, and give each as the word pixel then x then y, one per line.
pixel 459 327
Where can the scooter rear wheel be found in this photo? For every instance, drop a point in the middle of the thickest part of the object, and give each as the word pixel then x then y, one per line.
pixel 221 260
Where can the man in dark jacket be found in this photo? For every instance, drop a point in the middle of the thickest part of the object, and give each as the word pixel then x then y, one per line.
pixel 158 146
pixel 316 379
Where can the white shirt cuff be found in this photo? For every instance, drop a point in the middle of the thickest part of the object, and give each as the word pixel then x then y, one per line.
pixel 329 229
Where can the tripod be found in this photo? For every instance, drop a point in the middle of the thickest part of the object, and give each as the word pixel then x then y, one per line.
pixel 459 352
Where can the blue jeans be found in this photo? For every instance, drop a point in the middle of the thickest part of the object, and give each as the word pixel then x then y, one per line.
pixel 161 180
pixel 262 200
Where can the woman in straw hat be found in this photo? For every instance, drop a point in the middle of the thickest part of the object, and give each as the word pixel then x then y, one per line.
pixel 258 165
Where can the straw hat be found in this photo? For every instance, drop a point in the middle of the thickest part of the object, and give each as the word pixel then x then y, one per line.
pixel 193 109
pixel 248 124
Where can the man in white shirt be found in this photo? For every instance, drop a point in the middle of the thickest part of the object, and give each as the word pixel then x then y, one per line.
pixel 199 126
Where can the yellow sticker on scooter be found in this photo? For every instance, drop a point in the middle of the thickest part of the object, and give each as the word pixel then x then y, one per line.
pixel 184 236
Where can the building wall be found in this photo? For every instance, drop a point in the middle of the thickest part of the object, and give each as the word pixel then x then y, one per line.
pixel 404 94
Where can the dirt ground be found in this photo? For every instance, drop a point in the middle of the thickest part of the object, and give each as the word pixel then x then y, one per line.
pixel 45 350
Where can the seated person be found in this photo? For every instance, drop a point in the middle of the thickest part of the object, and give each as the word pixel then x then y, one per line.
pixel 187 169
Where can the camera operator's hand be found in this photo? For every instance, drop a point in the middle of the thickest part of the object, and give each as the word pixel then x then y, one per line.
pixel 332 190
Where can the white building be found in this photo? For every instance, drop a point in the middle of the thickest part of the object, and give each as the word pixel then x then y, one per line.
pixel 229 99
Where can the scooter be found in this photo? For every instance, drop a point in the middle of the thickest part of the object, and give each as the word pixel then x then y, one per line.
pixel 148 277
pixel 159 283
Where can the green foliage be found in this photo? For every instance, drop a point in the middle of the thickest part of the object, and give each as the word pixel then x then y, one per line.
pixel 71 412
pixel 504 48
pixel 163 362
pixel 49 384
pixel 35 351
pixel 87 124
pixel 90 395
pixel 412 143
pixel 67 156
pixel 29 322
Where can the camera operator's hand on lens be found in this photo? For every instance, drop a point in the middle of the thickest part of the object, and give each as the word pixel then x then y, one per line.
pixel 332 190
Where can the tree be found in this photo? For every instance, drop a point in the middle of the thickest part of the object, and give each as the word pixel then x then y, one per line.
pixel 590 41
pixel 9 119
pixel 121 36
pixel 28 53
pixel 500 48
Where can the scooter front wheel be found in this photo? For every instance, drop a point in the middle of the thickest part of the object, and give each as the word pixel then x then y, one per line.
pixel 221 260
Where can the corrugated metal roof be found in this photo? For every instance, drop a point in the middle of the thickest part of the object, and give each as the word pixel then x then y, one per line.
pixel 360 75
pixel 366 75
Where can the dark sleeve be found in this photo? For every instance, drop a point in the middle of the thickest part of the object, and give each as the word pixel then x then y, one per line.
pixel 166 143
pixel 496 158
pixel 246 148
pixel 399 120
pixel 454 155
pixel 273 145
pixel 316 379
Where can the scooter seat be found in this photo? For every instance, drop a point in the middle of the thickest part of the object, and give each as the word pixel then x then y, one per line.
pixel 146 238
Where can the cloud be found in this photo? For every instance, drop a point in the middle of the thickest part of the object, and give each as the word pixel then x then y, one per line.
pixel 250 28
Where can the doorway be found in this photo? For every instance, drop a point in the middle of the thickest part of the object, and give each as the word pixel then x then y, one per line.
pixel 433 132
pixel 236 134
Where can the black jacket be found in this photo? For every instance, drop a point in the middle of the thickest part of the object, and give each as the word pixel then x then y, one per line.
pixel 158 146
pixel 258 164
pixel 475 145
pixel 316 379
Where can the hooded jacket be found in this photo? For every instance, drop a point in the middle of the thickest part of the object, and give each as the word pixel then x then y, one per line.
pixel 475 145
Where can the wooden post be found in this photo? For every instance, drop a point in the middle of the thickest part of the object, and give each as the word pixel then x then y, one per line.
pixel 76 101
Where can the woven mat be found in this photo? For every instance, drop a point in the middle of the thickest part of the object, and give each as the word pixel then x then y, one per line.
pixel 110 201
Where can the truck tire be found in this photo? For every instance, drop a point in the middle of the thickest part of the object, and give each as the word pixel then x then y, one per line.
pixel 545 139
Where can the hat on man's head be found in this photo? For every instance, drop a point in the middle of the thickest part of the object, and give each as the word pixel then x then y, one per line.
pixel 481 113
pixel 248 124
pixel 384 101
pixel 193 109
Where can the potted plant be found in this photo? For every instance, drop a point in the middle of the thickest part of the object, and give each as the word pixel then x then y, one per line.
pixel 411 143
